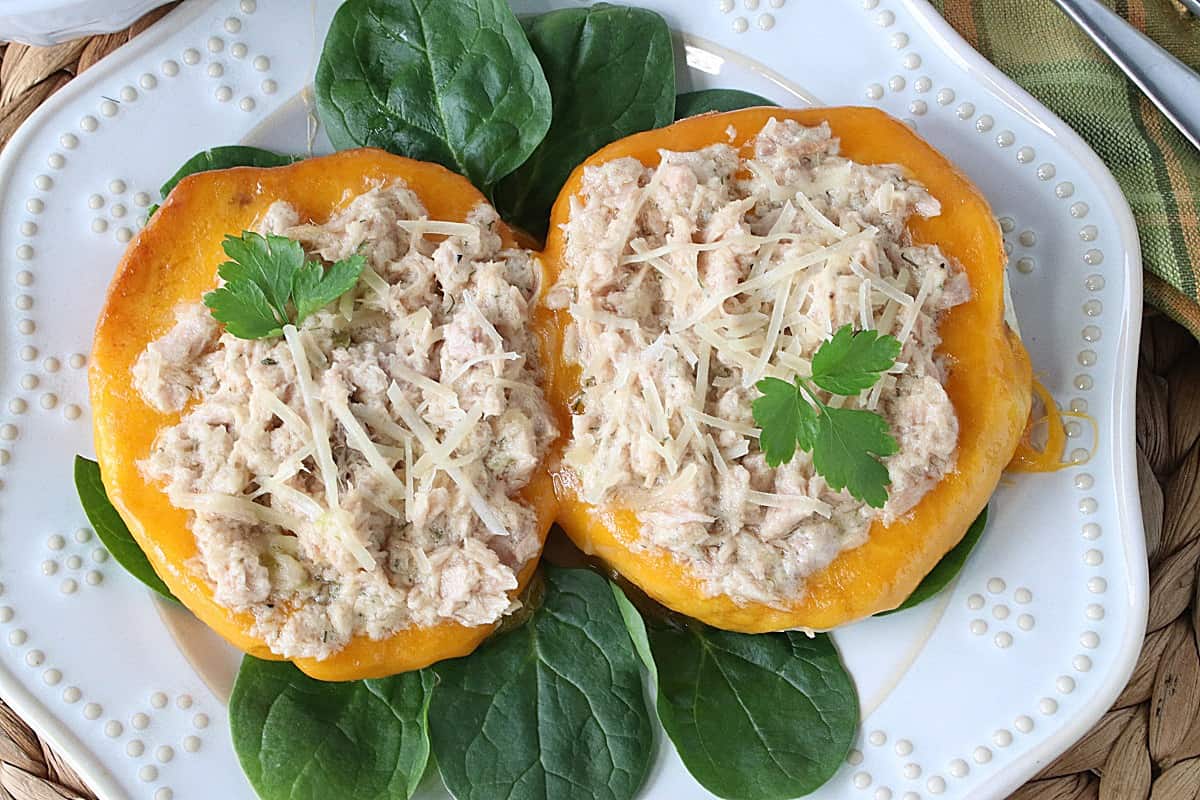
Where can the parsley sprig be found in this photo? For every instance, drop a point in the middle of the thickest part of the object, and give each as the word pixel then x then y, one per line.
pixel 268 284
pixel 846 443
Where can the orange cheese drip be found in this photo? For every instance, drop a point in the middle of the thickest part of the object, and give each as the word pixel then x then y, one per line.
pixel 1030 458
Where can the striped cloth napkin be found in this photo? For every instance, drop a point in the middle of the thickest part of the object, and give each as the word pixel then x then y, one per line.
pixel 1035 44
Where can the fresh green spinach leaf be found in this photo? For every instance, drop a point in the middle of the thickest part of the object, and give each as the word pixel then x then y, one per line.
pixel 636 629
pixel 554 708
pixel 689 104
pixel 224 157
pixel 946 569
pixel 769 716
pixel 611 71
pixel 300 738
pixel 111 529
pixel 451 81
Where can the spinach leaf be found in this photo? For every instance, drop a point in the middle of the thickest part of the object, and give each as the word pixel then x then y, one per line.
pixel 111 529
pixel 636 629
pixel 689 104
pixel 451 81
pixel 300 738
pixel 554 708
pixel 611 71
pixel 763 717
pixel 223 158
pixel 946 569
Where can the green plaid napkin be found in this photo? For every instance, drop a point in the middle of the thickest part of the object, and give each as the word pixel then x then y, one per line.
pixel 1035 44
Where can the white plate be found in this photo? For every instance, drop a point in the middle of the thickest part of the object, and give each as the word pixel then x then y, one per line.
pixel 966 696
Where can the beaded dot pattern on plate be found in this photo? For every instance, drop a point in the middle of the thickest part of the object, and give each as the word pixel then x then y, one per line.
pixel 752 14
pixel 234 70
pixel 116 209
pixel 993 607
pixel 72 562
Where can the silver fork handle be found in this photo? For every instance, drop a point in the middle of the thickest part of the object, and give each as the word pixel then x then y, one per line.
pixel 1166 80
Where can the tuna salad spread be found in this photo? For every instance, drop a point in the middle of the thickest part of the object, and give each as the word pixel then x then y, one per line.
pixel 361 474
pixel 688 283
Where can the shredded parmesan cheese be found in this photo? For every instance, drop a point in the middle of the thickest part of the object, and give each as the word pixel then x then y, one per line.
pixel 361 441
pixel 421 227
pixel 316 414
pixel 724 424
pixel 689 282
pixel 802 503
pixel 237 507
pixel 439 456
pixel 421 431
pixel 298 469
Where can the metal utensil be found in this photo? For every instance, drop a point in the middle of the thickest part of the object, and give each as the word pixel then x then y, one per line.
pixel 1192 6
pixel 1166 80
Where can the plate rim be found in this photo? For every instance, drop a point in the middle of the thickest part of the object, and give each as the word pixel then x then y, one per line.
pixel 1127 501
pixel 79 757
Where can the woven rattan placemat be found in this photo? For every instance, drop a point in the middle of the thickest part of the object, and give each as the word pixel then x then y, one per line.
pixel 1146 746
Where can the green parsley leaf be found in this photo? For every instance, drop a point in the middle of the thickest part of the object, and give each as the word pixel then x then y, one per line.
pixel 244 310
pixel 267 261
pixel 314 287
pixel 786 419
pixel 846 443
pixel 851 362
pixel 845 453
pixel 268 284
